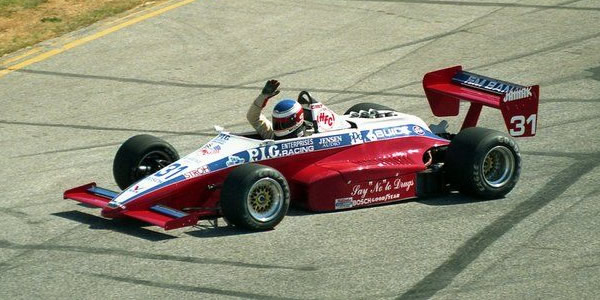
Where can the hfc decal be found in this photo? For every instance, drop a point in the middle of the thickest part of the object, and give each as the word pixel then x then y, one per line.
pixel 326 117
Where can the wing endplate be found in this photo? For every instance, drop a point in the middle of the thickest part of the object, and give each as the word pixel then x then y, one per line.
pixel 90 194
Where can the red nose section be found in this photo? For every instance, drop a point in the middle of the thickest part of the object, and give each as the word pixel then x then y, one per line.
pixel 110 212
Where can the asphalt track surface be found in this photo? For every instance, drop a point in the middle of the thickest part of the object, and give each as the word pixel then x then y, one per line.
pixel 186 68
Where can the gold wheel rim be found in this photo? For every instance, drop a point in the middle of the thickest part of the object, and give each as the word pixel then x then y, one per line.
pixel 498 166
pixel 265 199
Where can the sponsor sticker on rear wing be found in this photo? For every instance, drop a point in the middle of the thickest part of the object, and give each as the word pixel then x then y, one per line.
pixel 485 83
pixel 519 104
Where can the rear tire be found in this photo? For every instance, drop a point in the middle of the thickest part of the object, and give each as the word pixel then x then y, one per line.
pixel 255 197
pixel 483 163
pixel 146 151
pixel 366 106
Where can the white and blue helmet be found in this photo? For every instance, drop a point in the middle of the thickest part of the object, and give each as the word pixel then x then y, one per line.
pixel 288 119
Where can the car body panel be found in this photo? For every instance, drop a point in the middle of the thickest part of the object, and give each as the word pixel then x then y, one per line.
pixel 323 169
pixel 349 161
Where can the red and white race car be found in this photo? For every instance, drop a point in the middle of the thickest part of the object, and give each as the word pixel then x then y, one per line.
pixel 370 155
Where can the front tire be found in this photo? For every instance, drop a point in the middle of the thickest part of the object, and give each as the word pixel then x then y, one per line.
pixel 140 156
pixel 255 197
pixel 483 163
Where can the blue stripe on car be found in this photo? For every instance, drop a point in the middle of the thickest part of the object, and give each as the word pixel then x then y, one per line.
pixel 171 212
pixel 103 192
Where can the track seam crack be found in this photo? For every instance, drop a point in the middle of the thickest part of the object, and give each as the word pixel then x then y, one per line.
pixel 463 256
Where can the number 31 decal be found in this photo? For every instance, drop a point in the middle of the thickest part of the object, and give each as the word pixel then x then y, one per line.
pixel 520 124
pixel 177 167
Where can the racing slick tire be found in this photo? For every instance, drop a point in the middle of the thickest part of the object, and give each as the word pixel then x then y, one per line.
pixel 483 163
pixel 255 197
pixel 139 157
pixel 366 106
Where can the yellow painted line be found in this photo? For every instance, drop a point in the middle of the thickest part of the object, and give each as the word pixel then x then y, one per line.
pixel 16 58
pixel 92 37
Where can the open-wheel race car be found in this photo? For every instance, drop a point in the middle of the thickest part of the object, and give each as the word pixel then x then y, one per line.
pixel 370 155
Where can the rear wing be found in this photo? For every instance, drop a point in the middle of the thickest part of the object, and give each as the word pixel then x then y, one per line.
pixel 519 104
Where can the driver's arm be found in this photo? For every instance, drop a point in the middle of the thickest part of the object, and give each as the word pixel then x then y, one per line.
pixel 262 125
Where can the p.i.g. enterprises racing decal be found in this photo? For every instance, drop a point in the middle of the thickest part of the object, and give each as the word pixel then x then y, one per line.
pixel 378 191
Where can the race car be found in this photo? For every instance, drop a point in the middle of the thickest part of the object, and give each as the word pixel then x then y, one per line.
pixel 370 155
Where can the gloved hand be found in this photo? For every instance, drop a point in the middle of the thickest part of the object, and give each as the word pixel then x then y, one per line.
pixel 270 90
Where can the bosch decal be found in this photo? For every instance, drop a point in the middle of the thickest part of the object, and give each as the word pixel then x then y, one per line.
pixel 373 200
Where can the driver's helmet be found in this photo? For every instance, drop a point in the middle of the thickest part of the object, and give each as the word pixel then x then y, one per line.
pixel 288 119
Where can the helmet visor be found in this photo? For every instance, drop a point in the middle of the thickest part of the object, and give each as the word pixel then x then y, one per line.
pixel 287 122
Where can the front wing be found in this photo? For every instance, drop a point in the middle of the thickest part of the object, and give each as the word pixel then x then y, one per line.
pixel 159 215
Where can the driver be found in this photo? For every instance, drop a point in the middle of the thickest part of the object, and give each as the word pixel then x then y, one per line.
pixel 288 116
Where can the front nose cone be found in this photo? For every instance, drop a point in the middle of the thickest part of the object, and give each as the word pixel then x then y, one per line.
pixel 112 211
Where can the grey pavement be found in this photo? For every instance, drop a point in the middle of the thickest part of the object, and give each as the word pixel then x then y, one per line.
pixel 178 74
